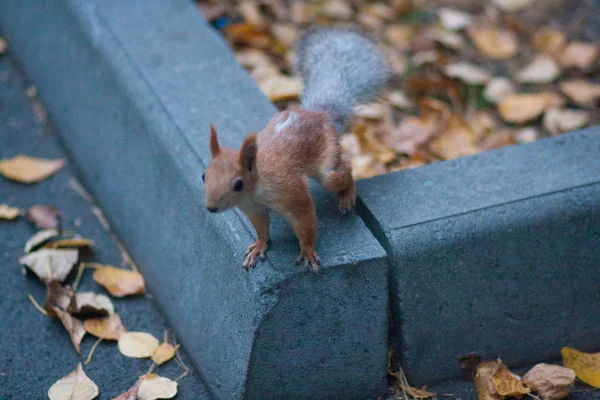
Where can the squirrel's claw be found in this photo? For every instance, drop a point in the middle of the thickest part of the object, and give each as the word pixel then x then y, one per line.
pixel 255 250
pixel 311 260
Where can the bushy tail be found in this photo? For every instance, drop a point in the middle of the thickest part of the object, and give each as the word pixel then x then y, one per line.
pixel 341 69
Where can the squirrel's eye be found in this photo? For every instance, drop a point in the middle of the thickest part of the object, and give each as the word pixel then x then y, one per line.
pixel 202 177
pixel 238 185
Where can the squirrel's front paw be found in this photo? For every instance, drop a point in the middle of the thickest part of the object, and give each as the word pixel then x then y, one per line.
pixel 346 200
pixel 255 250
pixel 310 258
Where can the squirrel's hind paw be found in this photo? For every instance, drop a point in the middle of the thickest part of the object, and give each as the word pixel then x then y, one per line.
pixel 346 200
pixel 311 260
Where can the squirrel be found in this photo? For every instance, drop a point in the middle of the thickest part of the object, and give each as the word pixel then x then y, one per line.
pixel 341 69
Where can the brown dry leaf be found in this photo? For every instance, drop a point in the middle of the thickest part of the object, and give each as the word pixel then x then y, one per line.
pixel 483 124
pixel 50 264
pixel 417 393
pixel 281 87
pixel 399 99
pixel 248 34
pixel 582 93
pixel 412 132
pixel 26 169
pixel 137 344
pixel 585 365
pixel 73 326
pixel 513 5
pixel 74 386
pixel 468 73
pixel 57 296
pixel 91 304
pixel 380 10
pixel 252 58
pixel 108 328
pixel 400 35
pixel 483 381
pixel 552 382
pixel 164 353
pixel 494 43
pixel 543 69
pixel 557 120
pixel 302 12
pixel 119 282
pixel 371 145
pixel 251 13
pixel 69 243
pixel 549 41
pixel 522 108
pixel 337 10
pixel 132 393
pixel 497 89
pixel 496 140
pixel 285 34
pixel 44 217
pixel 156 387
pixel 374 111
pixel 448 39
pixel 468 364
pixel 579 55
pixel 456 141
pixel 7 212
pixel 40 237
pixel 366 166
pixel 507 383
pixel 454 20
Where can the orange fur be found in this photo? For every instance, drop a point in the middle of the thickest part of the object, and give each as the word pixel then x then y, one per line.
pixel 275 166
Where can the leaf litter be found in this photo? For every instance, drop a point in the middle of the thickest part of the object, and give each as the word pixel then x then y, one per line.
pixel 25 169
pixel 443 50
pixel 74 386
pixel 119 282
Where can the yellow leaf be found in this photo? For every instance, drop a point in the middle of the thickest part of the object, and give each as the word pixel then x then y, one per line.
pixel 137 344
pixel 164 353
pixel 7 212
pixel 494 43
pixel 156 387
pixel 522 108
pixel 456 141
pixel 68 243
pixel 74 386
pixel 581 92
pixel 579 55
pixel 109 328
pixel 26 169
pixel 549 41
pixel 120 282
pixel 507 383
pixel 585 365
pixel 280 87
pixel 483 383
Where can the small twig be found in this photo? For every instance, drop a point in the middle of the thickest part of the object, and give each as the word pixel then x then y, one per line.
pixel 93 265
pixel 76 186
pixel 36 305
pixel 89 357
pixel 151 368
pixel 78 277
pixel 534 396
pixel 181 364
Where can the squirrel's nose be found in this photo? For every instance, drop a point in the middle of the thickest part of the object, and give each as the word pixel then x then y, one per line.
pixel 212 209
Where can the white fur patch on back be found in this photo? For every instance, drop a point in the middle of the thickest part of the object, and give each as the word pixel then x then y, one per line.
pixel 286 123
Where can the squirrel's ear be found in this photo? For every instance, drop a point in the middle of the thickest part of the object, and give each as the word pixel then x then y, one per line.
pixel 214 142
pixel 248 152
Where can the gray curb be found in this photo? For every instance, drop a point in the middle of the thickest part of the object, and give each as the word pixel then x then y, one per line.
pixel 497 253
pixel 132 86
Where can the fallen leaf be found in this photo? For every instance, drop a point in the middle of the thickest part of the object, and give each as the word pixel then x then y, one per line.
pixel 400 35
pixel 468 73
pixel 552 382
pixel 44 217
pixel 513 5
pixel 412 132
pixel 582 93
pixel 542 69
pixel 373 111
pixel 399 99
pixel 251 13
pixel 521 108
pixel 549 41
pixel 40 237
pixel 526 135
pixel 119 282
pixel 448 39
pixel 507 383
pixel 454 20
pixel 425 57
pixel 91 304
pixel 579 55
pixel 69 243
pixel 585 365
pixel 456 141
pixel 252 58
pixel 302 12
pixel 164 353
pixel 285 34
pixel 371 144
pixel 74 386
pixel 483 381
pixel 137 344
pixel 132 393
pixel 248 34
pixel 281 87
pixel 468 364
pixel 366 166
pixel 73 326
pixel 57 296
pixel 497 89
pixel 417 393
pixel 337 9
pixel 50 264
pixel 380 10
pixel 558 120
pixel 26 169
pixel 109 328
pixel 493 43
pixel 156 387
pixel 8 213
pixel 483 124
